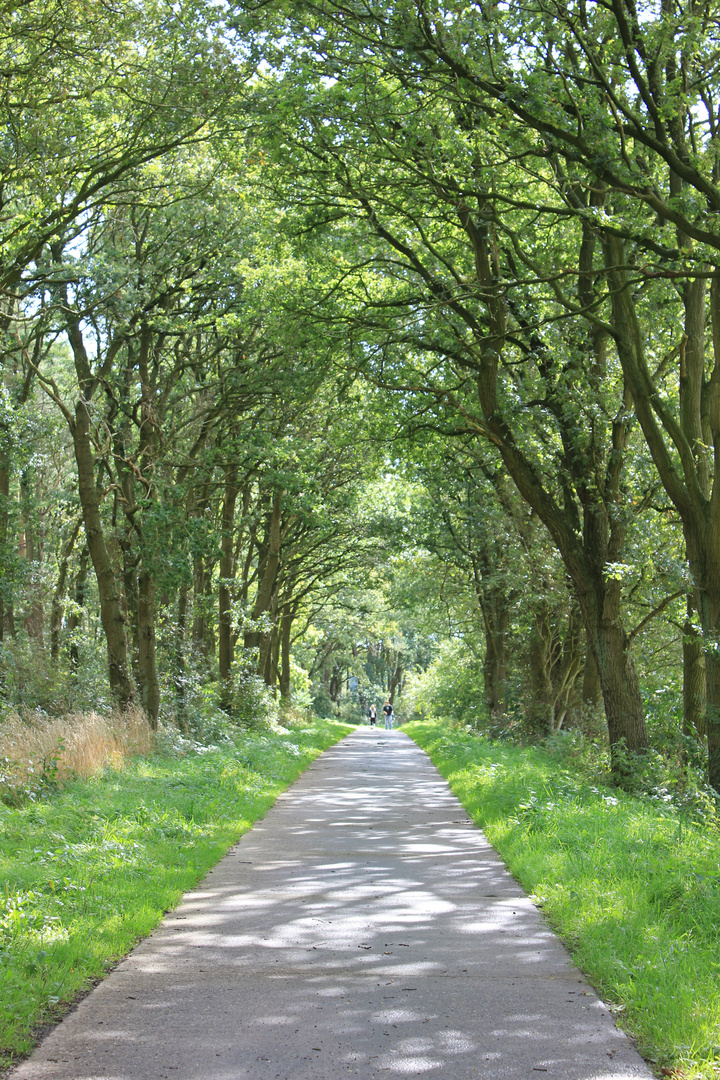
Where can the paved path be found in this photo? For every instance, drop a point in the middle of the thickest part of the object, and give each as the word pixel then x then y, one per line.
pixel 363 927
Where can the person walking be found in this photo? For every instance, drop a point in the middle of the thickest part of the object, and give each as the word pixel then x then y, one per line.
pixel 388 710
pixel 372 714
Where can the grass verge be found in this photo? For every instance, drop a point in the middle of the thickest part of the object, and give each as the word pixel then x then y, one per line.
pixel 633 890
pixel 88 872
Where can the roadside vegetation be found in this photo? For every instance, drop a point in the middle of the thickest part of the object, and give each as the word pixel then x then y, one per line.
pixel 90 867
pixel 354 353
pixel 630 882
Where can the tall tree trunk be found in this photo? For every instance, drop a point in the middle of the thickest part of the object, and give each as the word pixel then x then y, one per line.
pixel 5 585
pixel 269 646
pixel 395 682
pixel 495 611
pixel 130 560
pixel 540 707
pixel 147 666
pixel 686 478
pixel 495 663
pixel 285 635
pixel 227 571
pixel 272 666
pixel 59 593
pixel 203 638
pixel 109 592
pixel 209 641
pixel 709 603
pixel 584 558
pixel 712 670
pixel 35 612
pixel 111 614
pixel 591 689
pixel 694 691
pixel 618 677
pixel 199 625
pixel 335 683
pixel 180 653
pixel 266 583
pixel 149 441
pixel 75 618
pixel 181 624
pixel 567 670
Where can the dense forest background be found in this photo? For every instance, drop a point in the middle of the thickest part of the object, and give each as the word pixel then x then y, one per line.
pixel 354 351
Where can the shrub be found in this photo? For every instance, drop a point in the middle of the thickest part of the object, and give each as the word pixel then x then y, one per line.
pixel 252 703
pixel 29 679
pixel 451 688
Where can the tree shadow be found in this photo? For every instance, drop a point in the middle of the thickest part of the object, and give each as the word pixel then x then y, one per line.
pixel 364 926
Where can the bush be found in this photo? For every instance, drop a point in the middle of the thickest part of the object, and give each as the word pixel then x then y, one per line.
pixel 352 711
pixel 254 704
pixel 323 705
pixel 452 688
pixel 29 679
pixel 300 687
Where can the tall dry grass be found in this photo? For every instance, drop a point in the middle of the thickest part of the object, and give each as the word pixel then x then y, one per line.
pixel 45 750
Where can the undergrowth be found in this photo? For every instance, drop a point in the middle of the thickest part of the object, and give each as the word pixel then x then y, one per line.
pixel 88 870
pixel 38 753
pixel 631 884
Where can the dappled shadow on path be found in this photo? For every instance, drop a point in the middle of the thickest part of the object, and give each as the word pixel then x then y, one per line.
pixel 364 926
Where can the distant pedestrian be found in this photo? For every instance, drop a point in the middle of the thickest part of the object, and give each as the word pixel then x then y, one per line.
pixel 388 710
pixel 372 714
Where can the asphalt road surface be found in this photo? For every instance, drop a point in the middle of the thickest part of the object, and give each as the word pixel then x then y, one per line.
pixel 364 927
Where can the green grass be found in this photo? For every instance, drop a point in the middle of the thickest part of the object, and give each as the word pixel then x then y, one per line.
pixel 87 873
pixel 633 890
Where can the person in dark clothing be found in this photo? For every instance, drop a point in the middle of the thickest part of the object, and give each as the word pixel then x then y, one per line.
pixel 388 710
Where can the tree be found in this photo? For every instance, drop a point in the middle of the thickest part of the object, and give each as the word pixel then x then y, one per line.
pixel 122 86
pixel 446 306
pixel 624 106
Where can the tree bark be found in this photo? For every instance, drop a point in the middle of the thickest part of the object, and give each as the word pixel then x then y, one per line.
pixel 111 614
pixel 591 689
pixel 712 669
pixel 395 682
pixel 203 602
pixel 147 666
pixel 75 618
pixel 694 689
pixel 335 683
pixel 495 664
pixel 539 709
pixel 130 561
pixel 684 476
pixel 618 677
pixel 567 670
pixel 585 557
pixel 495 611
pixel 270 563
pixel 272 664
pixel 5 588
pixel 285 674
pixel 199 624
pixel 59 593
pixel 269 645
pixel 109 592
pixel 181 624
pixel 227 572
pixel 599 599
pixel 35 612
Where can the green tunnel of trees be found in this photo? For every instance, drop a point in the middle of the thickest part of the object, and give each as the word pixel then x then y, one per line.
pixel 369 340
